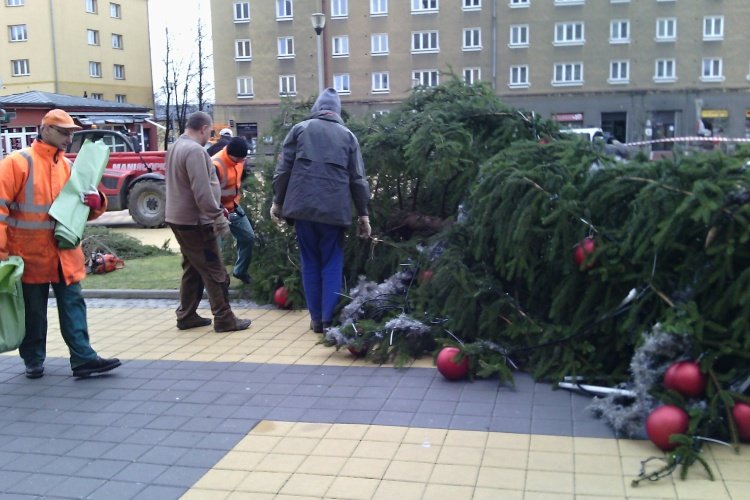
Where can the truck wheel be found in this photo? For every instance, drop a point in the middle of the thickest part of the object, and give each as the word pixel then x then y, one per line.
pixel 147 202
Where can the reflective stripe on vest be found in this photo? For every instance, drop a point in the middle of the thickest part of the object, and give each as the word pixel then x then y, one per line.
pixel 225 191
pixel 29 206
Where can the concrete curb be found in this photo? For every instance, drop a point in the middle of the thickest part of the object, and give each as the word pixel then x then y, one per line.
pixel 139 294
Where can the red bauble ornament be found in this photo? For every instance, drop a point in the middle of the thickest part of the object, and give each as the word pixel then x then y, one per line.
pixel 425 276
pixel 281 296
pixel 686 378
pixel 665 421
pixel 741 414
pixel 448 366
pixel 582 250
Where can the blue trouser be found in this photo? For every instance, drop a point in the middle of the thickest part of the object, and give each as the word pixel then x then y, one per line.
pixel 322 266
pixel 243 233
pixel 71 310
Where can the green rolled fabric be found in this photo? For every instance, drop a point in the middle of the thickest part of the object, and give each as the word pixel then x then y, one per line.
pixel 12 310
pixel 68 211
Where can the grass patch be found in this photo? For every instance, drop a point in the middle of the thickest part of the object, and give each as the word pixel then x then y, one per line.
pixel 162 272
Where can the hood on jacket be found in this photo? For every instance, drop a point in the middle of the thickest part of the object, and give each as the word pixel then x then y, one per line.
pixel 328 100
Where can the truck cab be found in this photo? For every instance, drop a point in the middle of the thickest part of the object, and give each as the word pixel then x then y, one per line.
pixel 133 180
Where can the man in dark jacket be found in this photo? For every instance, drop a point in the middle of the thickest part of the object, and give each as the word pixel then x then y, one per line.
pixel 319 174
pixel 225 135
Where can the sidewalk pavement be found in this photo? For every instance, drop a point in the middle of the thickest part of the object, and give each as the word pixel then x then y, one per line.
pixel 271 413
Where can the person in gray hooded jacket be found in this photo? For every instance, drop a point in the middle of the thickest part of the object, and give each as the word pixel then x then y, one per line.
pixel 319 174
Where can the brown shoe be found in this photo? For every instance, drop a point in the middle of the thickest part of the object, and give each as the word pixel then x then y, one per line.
pixel 192 322
pixel 239 324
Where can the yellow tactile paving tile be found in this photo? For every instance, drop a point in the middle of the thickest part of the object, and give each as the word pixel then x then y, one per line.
pixel 275 336
pixel 344 461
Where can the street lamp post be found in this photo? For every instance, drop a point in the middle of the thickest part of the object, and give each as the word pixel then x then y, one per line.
pixel 318 22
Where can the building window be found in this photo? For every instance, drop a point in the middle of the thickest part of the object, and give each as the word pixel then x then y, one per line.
pixel 378 7
pixel 242 50
pixel 245 86
pixel 20 67
pixel 518 3
pixel 341 83
pixel 568 74
pixel 519 36
pixel 665 71
pixel 472 39
pixel 380 82
pixel 619 72
pixel 340 46
pixel 666 29
pixel 241 12
pixel 712 70
pixel 425 78
pixel 119 72
pixel 472 75
pixel 339 8
pixel 91 6
pixel 93 37
pixel 379 44
pixel 17 33
pixel 472 5
pixel 114 10
pixel 97 95
pixel 424 41
pixel 287 85
pixel 117 41
pixel 14 3
pixel 95 69
pixel 286 47
pixel 619 31
pixel 569 33
pixel 420 6
pixel 519 76
pixel 283 9
pixel 713 28
pixel 121 98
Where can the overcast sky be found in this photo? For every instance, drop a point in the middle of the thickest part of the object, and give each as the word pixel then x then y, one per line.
pixel 181 17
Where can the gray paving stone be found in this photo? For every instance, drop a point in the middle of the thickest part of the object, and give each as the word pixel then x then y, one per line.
pixel 126 451
pixel 140 472
pixel 183 439
pixel 199 424
pixel 218 411
pixel 321 415
pixel 163 455
pixel 356 417
pixel 471 422
pixel 201 458
pixel 430 420
pixel 78 487
pixel 37 484
pixel 117 490
pixel 30 462
pixel 180 476
pixel 65 466
pixel 90 449
pixel 340 391
pixel 102 468
pixel 552 412
pixel 402 405
pixel 148 436
pixel 299 401
pixel 393 418
pixel 160 492
pixel 8 479
pixel 167 422
pixel 251 412
pixel 510 424
pixel 182 408
pixel 437 407
pixel 474 408
pixel 285 414
pixel 552 427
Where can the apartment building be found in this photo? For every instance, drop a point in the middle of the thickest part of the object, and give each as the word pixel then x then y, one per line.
pixel 89 48
pixel 640 69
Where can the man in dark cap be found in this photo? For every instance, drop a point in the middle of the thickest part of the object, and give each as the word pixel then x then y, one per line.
pixel 319 174
pixel 230 163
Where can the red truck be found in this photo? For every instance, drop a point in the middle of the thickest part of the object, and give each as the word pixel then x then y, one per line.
pixel 133 180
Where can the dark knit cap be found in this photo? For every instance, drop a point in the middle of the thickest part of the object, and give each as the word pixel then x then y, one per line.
pixel 237 147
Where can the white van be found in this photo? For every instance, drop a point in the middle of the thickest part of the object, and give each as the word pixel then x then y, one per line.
pixel 591 133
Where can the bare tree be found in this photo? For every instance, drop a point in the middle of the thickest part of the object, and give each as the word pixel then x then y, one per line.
pixel 167 90
pixel 203 85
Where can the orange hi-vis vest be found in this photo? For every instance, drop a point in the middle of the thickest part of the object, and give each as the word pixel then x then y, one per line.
pixel 30 180
pixel 230 178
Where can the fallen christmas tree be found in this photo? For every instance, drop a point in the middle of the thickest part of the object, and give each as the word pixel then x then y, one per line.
pixel 530 250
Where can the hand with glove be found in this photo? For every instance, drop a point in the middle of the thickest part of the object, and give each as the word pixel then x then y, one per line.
pixel 276 213
pixel 92 198
pixel 221 226
pixel 364 230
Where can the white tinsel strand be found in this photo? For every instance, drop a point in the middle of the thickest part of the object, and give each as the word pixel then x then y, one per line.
pixel 657 352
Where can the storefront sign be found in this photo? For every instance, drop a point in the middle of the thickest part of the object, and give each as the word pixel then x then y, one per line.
pixel 568 117
pixel 714 113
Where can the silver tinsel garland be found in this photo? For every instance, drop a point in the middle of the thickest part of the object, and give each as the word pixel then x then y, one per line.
pixel 658 351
